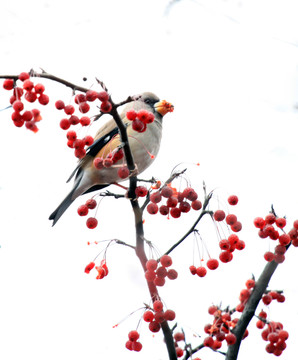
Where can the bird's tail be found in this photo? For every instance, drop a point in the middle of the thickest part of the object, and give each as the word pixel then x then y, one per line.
pixel 55 216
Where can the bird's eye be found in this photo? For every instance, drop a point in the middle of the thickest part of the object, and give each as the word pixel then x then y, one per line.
pixel 147 101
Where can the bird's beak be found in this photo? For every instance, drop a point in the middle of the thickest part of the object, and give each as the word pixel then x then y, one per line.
pixel 163 107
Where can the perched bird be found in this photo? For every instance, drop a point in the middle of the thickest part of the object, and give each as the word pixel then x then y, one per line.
pixel 144 147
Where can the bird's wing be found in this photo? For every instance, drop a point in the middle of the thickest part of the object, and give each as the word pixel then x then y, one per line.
pixel 103 136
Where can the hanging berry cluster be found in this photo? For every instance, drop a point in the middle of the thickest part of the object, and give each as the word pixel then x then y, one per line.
pixel 157 274
pixel 270 227
pixel 227 246
pixel 276 337
pixel 176 202
pixel 82 104
pixel 221 329
pixel 29 92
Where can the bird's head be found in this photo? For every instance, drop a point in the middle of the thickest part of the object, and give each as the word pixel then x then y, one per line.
pixel 160 106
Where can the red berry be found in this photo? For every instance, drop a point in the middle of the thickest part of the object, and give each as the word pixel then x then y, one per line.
pixel 164 210
pixel 159 281
pixel 137 346
pixel 250 283
pixel 123 172
pixel 225 256
pixel 151 265
pixel 39 88
pixel 18 106
pixel 259 222
pixel 152 208
pixel 266 299
pixel 155 197
pixel 24 76
pixel 196 205
pixel 175 213
pixel 150 275
pixel 91 223
pixel 107 162
pixel 98 163
pixel 237 226
pixel 64 124
pixel 89 267
pixel 138 125
pixel 157 305
pixel 172 202
pixel 141 191
pixel 105 107
pixel 231 339
pixel 269 256
pixel 80 153
pixel 172 274
pixel 179 336
pixel 179 352
pixel 79 144
pixel 27 116
pixel 184 206
pixel 154 326
pixel 128 345
pixel 231 219
pixel 212 264
pixel 103 96
pixel 190 194
pixel 30 96
pixel 59 104
pixel 161 272
pixel 270 219
pixel 88 140
pixel 133 335
pixel 284 239
pixel 8 84
pixel 131 114
pixel 193 269
pixel 166 192
pixel 224 244
pixel 281 222
pixel 148 316
pixel 83 210
pixel 240 245
pixel 74 120
pixel 28 85
pixel 169 315
pixel 91 95
pixel 233 200
pixel 69 109
pixel 91 204
pixel 85 121
pixel 79 98
pixel 219 215
pixel 201 271
pixel 166 260
pixel 208 341
pixel 43 99
pixel 18 92
pixel 84 107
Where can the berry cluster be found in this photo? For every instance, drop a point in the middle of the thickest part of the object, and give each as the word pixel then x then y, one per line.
pixel 83 210
pixel 102 269
pixel 140 119
pixel 176 202
pixel 276 337
pixel 157 315
pixel 221 329
pixel 111 159
pixel 132 344
pixel 157 274
pixel 82 102
pixel 269 228
pixel 227 246
pixel 31 93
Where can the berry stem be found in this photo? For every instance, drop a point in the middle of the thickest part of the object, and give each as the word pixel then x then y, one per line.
pixel 192 229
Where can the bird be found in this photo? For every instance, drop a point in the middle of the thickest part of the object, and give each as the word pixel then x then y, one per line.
pixel 144 148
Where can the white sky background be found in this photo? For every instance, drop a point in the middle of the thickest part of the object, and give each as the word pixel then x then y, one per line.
pixel 230 69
